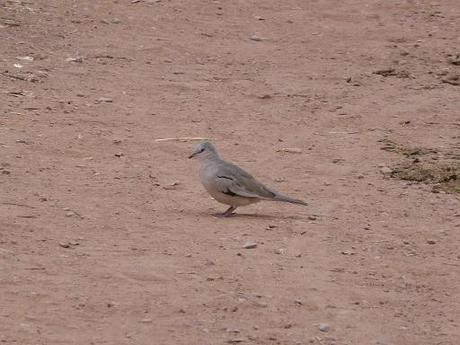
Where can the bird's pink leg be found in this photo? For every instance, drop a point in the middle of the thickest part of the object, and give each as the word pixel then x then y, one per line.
pixel 229 212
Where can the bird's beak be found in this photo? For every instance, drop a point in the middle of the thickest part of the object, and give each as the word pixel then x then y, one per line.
pixel 192 155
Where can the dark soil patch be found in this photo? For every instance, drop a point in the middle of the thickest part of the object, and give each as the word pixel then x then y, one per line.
pixel 427 165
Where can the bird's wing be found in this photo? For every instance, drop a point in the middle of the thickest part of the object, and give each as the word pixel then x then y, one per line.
pixel 232 180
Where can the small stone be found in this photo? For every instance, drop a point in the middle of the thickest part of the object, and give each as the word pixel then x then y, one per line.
pixel 265 96
pixel 104 100
pixel 256 38
pixel 64 245
pixel 171 186
pixel 70 214
pixel 290 150
pixel 386 170
pixel 250 245
pixel 312 217
pixel 453 79
pixel 431 241
pixel 147 320
pixel 324 327
pixel 78 59
pixel 280 251
pixel 454 60
pixel 119 154
pixel 25 58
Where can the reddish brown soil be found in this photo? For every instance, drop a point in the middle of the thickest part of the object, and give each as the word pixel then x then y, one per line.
pixel 107 237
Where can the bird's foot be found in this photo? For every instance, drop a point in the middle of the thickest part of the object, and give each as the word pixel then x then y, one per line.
pixel 228 213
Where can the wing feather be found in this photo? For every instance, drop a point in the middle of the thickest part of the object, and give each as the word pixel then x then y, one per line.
pixel 233 179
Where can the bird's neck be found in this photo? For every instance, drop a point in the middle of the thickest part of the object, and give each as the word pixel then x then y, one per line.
pixel 210 157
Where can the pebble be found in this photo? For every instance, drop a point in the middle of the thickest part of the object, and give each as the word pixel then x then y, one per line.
pixel 386 170
pixel 431 241
pixel 312 217
pixel 454 60
pixel 265 96
pixel 250 245
pixel 171 186
pixel 280 251
pixel 78 59
pixel 290 150
pixel 324 327
pixel 104 100
pixel 256 38
pixel 25 58
pixel 452 78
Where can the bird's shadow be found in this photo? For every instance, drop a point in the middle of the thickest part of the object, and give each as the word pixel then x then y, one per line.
pixel 247 216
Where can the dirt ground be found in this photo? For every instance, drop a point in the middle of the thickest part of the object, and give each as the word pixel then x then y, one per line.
pixel 107 236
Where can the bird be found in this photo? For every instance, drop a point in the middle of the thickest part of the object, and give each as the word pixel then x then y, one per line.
pixel 229 184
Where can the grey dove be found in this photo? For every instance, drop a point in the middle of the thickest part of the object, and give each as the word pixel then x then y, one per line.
pixel 231 185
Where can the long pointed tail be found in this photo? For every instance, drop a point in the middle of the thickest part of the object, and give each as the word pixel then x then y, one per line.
pixel 284 198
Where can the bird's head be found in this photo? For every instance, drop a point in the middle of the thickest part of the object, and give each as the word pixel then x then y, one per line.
pixel 204 150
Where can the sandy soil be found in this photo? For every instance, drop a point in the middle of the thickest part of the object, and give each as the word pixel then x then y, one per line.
pixel 107 237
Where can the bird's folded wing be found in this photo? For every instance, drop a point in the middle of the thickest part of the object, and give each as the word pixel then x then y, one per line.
pixel 233 180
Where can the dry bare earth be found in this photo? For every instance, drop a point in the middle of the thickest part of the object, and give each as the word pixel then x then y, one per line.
pixel 107 236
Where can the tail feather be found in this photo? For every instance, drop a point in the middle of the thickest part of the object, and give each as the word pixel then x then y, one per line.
pixel 284 198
